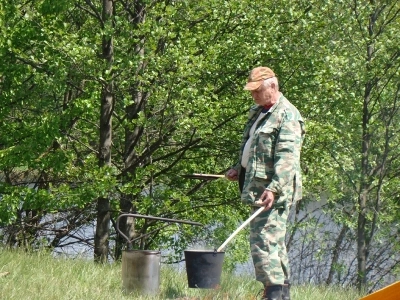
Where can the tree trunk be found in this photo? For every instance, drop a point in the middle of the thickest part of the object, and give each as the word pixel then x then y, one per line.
pixel 336 254
pixel 132 137
pixel 126 225
pixel 361 244
pixel 362 241
pixel 107 105
pixel 363 198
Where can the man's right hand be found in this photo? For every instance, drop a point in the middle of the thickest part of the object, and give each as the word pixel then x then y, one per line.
pixel 232 175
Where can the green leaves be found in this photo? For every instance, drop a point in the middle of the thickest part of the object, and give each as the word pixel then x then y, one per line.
pixel 180 107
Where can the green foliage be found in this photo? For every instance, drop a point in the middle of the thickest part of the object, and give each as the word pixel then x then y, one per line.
pixel 179 108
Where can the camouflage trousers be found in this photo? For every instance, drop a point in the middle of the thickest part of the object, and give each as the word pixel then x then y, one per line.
pixel 267 244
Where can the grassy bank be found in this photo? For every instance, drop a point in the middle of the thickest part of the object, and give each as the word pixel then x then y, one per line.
pixel 40 276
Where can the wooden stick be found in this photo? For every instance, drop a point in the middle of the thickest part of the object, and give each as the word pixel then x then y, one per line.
pixel 241 227
pixel 209 175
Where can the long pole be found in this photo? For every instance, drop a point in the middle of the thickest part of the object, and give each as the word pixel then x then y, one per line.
pixel 240 228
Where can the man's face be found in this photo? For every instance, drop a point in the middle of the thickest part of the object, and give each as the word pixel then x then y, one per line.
pixel 263 94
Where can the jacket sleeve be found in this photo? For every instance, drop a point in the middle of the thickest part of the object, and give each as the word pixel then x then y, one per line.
pixel 287 154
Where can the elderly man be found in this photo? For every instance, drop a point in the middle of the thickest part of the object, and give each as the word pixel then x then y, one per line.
pixel 268 171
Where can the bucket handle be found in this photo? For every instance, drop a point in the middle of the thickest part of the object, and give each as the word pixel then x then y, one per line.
pixel 151 218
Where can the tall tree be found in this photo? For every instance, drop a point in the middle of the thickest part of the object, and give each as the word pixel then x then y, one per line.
pixel 106 110
pixel 379 123
pixel 353 136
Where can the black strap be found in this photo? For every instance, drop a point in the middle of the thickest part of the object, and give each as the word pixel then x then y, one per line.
pixel 241 179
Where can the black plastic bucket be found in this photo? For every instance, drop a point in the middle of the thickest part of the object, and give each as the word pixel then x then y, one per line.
pixel 204 268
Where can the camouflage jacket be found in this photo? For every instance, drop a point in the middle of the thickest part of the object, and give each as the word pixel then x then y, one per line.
pixel 274 155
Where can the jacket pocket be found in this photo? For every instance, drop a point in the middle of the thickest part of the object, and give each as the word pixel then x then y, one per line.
pixel 285 143
pixel 265 152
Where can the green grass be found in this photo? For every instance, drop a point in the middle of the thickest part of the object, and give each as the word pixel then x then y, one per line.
pixel 32 276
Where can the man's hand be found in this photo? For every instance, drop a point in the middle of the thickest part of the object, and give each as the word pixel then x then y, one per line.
pixel 267 199
pixel 232 175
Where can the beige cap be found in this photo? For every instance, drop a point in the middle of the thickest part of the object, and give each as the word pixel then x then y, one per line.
pixel 257 76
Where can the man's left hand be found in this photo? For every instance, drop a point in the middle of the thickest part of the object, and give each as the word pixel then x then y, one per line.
pixel 267 199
